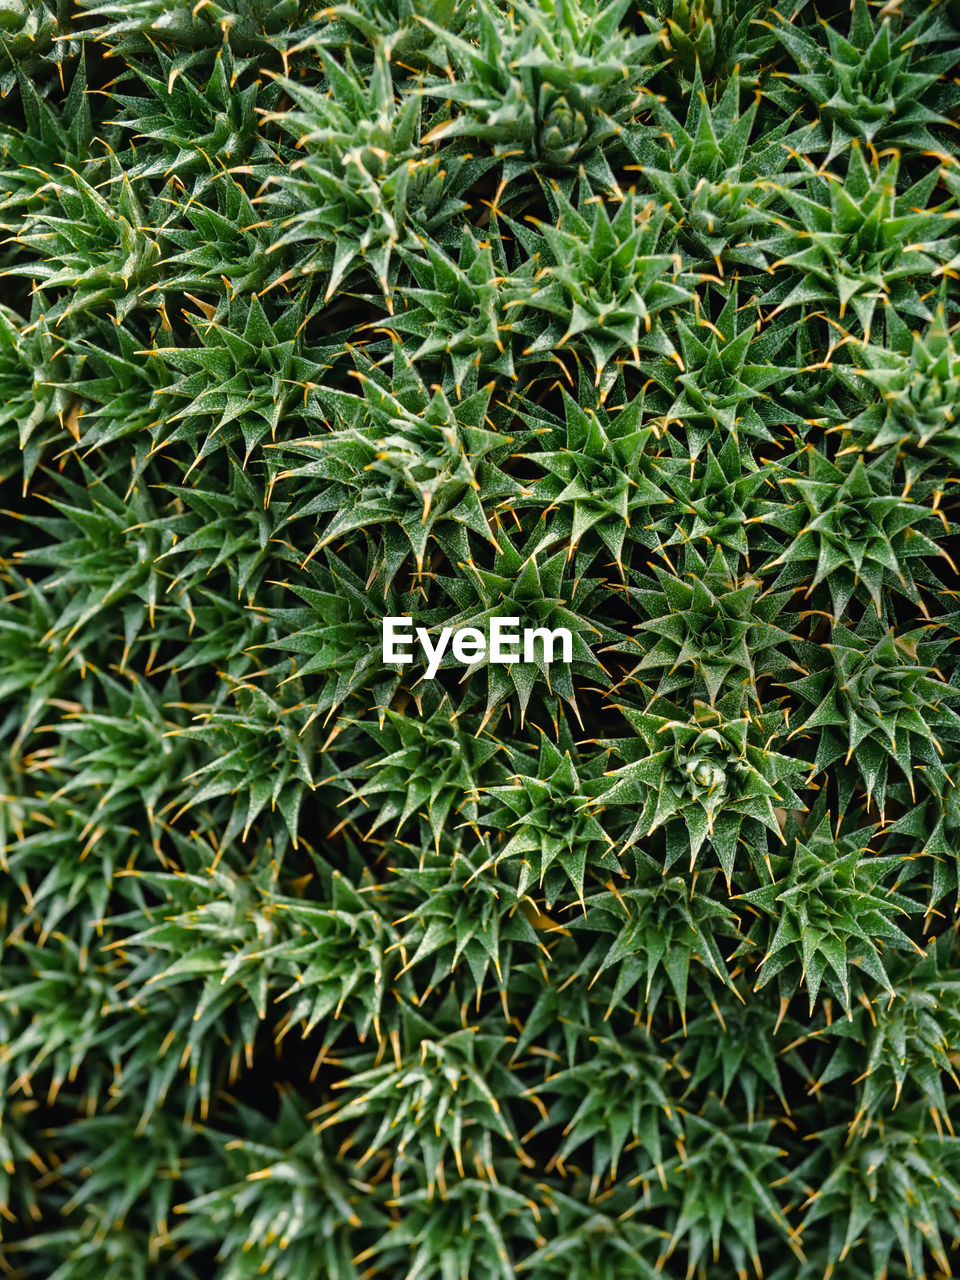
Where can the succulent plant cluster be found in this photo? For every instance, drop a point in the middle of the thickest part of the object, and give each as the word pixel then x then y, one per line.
pixel 641 320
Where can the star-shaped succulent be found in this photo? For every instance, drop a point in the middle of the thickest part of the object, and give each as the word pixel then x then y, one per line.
pixel 878 699
pixel 348 352
pixel 428 766
pixel 718 178
pixel 724 385
pixel 887 1175
pixel 706 38
pixel 547 87
pixel 401 455
pixel 720 499
pixel 914 394
pixel 897 1050
pixel 852 533
pixel 653 936
pixel 455 310
pixel 701 779
pixel 857 249
pixel 705 633
pixel 599 470
pixel 364 183
pixel 827 916
pixel 597 281
pixel 877 84
pixel 546 824
pixel 540 592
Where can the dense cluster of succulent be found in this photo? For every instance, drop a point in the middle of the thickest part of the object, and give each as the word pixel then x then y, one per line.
pixel 634 319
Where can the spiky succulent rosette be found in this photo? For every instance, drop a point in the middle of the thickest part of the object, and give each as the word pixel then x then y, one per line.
pixel 911 391
pixel 548 87
pixel 322 957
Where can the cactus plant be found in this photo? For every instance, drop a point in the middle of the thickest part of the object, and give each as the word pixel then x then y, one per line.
pixel 479 669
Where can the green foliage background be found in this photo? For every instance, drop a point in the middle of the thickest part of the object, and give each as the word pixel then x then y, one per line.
pixel 637 321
